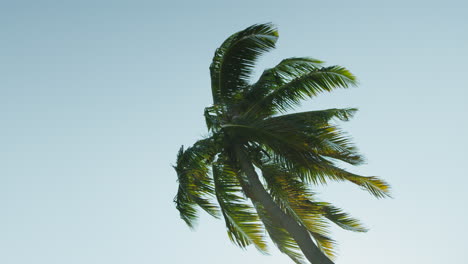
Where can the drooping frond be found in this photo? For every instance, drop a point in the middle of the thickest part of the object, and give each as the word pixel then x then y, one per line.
pixel 315 132
pixel 308 153
pixel 299 135
pixel 296 200
pixel 325 171
pixel 340 218
pixel 282 239
pixel 376 186
pixel 234 60
pixel 287 94
pixel 303 138
pixel 329 141
pixel 186 206
pixel 242 222
pixel 213 115
pixel 196 187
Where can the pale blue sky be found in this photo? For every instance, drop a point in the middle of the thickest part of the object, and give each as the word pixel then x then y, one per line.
pixel 96 97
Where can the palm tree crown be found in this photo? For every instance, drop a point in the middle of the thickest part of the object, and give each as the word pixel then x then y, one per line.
pixel 258 164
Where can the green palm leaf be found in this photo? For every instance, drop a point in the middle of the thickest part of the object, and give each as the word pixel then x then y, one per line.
pixel 321 173
pixel 294 149
pixel 287 94
pixel 285 71
pixel 295 135
pixel 295 199
pixel 243 224
pixel 314 133
pixel 195 184
pixel 234 60
pixel 340 218
pixel 282 239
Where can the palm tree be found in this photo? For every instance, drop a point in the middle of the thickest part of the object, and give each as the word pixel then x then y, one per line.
pixel 251 135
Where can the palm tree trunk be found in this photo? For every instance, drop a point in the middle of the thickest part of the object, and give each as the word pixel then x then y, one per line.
pixel 258 194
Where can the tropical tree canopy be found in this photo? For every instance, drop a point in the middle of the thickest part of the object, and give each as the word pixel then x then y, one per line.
pixel 258 165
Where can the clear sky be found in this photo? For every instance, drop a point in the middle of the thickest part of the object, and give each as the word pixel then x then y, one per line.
pixel 96 97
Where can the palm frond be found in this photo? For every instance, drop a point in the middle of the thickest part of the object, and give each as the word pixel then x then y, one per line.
pixel 196 188
pixel 287 94
pixel 282 239
pixel 213 117
pixel 186 206
pixel 294 198
pixel 340 218
pixel 294 151
pixel 243 224
pixel 376 186
pixel 310 170
pixel 298 201
pixel 319 117
pixel 325 172
pixel 234 60
pixel 276 136
pixel 326 244
pixel 332 142
pixel 298 135
pixel 314 129
pixel 285 71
